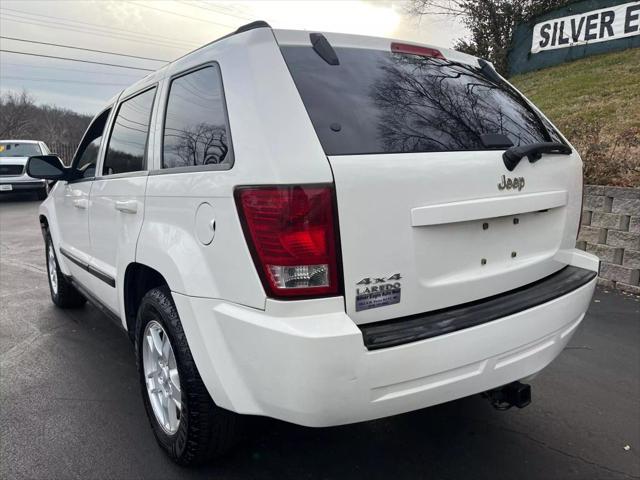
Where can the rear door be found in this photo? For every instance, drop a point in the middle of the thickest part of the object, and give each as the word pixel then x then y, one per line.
pixel 117 196
pixel 429 215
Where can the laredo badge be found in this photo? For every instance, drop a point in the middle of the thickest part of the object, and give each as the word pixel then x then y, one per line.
pixel 373 292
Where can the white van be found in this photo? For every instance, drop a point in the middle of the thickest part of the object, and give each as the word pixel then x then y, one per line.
pixel 323 229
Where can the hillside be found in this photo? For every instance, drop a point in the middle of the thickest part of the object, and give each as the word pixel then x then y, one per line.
pixel 59 128
pixel 595 101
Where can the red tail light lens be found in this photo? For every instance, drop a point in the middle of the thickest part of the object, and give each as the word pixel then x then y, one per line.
pixel 293 238
pixel 416 50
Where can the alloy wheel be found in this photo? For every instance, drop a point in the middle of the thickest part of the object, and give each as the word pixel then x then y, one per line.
pixel 53 269
pixel 161 377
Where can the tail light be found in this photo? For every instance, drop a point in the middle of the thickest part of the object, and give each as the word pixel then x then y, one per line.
pixel 416 50
pixel 292 234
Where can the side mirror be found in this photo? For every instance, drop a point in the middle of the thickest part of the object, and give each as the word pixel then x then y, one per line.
pixel 47 167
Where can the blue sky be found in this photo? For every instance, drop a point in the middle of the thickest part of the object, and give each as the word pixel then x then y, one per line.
pixel 166 29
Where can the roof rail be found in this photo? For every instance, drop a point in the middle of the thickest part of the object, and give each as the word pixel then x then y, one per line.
pixel 252 25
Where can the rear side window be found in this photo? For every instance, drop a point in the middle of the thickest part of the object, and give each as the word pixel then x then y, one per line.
pixel 376 101
pixel 128 143
pixel 196 131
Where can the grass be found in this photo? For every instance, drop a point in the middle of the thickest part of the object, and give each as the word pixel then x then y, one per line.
pixel 600 88
pixel 595 102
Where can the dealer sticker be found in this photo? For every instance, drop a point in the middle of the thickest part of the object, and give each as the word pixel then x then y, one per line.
pixel 374 292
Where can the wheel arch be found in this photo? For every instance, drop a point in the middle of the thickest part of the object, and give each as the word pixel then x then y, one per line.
pixel 138 280
pixel 44 224
pixel 49 228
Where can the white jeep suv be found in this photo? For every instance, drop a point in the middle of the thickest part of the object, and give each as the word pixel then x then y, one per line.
pixel 323 229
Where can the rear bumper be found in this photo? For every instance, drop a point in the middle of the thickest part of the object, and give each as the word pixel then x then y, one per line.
pixel 390 333
pixel 311 367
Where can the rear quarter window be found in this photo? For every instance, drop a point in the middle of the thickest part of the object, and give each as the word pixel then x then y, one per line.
pixel 196 131
pixel 376 101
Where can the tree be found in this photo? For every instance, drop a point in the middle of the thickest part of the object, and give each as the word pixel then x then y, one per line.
pixel 21 118
pixel 15 114
pixel 433 105
pixel 491 23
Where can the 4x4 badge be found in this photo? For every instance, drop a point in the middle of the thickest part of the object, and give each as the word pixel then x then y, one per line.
pixel 370 280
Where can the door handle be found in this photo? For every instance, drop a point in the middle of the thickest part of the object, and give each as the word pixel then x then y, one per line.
pixel 82 203
pixel 127 206
pixel 72 193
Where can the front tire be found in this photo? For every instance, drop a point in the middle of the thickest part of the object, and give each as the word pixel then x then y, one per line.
pixel 63 293
pixel 186 422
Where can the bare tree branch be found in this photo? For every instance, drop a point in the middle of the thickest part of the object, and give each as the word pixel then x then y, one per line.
pixel 491 23
pixel 20 117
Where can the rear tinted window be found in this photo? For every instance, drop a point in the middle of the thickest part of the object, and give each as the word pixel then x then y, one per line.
pixel 383 102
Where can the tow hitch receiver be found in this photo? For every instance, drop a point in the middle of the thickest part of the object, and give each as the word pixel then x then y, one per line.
pixel 513 394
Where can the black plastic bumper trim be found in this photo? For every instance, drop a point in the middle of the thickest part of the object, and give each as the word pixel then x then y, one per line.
pixel 398 331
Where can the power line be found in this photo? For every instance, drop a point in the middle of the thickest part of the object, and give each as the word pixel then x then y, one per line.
pixel 82 48
pixel 84 24
pixel 58 80
pixel 27 65
pixel 59 25
pixel 75 60
pixel 220 12
pixel 43 23
pixel 181 15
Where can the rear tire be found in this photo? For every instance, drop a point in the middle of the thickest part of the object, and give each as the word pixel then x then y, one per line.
pixel 202 431
pixel 63 293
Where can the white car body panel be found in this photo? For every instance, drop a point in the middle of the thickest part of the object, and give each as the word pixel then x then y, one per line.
pixel 351 384
pixel 415 214
pixel 116 215
pixel 263 89
pixel 419 215
pixel 71 201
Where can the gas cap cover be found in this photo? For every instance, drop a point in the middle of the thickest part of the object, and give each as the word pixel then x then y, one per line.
pixel 205 225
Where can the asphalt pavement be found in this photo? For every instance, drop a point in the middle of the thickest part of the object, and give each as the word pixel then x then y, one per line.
pixel 70 404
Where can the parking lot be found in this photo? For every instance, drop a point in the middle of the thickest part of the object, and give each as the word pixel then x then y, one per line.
pixel 71 408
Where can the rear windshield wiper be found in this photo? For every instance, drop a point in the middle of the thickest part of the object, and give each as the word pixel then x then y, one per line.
pixel 533 152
